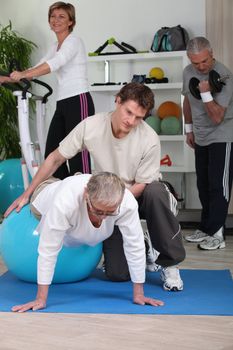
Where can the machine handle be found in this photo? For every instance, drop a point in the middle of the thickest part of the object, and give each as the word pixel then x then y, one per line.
pixel 50 90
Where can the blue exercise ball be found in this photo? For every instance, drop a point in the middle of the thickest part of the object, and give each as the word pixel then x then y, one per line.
pixel 19 244
pixel 11 182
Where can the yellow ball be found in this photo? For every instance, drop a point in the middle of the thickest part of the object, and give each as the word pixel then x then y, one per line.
pixel 156 72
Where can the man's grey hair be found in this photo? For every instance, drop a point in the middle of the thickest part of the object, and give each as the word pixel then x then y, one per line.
pixel 106 188
pixel 198 44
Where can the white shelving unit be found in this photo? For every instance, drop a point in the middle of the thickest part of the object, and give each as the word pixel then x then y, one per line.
pixel 120 69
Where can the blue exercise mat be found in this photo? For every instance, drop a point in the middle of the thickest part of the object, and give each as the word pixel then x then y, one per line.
pixel 206 292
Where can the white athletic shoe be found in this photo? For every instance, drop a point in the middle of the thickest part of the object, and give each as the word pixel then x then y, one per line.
pixel 171 279
pixel 153 267
pixel 213 242
pixel 196 237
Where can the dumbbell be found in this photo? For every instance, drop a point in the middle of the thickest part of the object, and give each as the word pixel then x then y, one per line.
pixel 166 160
pixel 216 83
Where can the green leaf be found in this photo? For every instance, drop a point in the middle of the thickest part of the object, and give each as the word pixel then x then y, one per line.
pixel 12 46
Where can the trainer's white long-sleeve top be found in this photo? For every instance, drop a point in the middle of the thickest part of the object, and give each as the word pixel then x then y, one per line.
pixel 65 221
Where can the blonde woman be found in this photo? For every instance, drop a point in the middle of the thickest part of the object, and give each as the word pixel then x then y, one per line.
pixel 67 58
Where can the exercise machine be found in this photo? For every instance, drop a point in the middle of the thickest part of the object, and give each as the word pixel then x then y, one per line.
pixel 32 152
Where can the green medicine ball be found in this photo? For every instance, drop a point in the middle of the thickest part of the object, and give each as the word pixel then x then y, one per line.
pixel 154 122
pixel 170 126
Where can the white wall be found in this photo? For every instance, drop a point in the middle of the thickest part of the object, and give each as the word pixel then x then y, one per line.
pixel 131 21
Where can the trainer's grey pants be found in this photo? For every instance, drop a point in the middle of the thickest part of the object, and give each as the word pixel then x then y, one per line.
pixel 164 230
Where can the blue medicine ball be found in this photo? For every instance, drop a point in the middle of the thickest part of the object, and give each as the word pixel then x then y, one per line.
pixel 18 247
pixel 11 182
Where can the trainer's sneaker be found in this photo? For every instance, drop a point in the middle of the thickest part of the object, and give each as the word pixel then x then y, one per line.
pixel 153 267
pixel 196 237
pixel 213 242
pixel 171 278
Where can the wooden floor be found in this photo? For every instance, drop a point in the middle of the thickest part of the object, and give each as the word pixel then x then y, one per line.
pixel 120 332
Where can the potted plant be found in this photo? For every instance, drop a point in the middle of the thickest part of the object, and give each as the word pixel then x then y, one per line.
pixel 12 46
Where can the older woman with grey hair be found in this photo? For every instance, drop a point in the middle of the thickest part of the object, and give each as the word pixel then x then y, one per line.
pixel 83 209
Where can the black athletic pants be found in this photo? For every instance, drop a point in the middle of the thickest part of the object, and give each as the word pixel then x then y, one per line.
pixel 164 230
pixel 69 112
pixel 214 168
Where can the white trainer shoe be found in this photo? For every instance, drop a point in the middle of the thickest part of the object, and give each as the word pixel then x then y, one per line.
pixel 171 278
pixel 196 237
pixel 213 242
pixel 153 267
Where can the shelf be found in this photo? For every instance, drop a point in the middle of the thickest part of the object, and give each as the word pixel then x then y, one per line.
pixel 105 88
pixel 139 56
pixel 172 138
pixel 117 87
pixel 175 169
pixel 166 86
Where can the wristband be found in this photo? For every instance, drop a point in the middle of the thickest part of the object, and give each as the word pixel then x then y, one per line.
pixel 206 97
pixel 188 128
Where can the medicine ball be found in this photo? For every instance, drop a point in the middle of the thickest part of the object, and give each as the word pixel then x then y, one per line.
pixel 170 125
pixel 169 108
pixel 156 72
pixel 154 122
